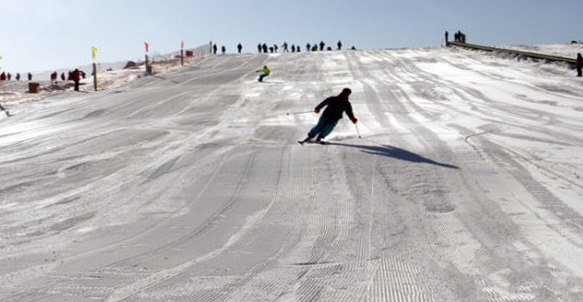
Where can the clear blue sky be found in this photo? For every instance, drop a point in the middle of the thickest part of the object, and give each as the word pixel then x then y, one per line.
pixel 39 35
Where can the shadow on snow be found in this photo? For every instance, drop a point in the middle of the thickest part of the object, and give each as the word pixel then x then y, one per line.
pixel 394 152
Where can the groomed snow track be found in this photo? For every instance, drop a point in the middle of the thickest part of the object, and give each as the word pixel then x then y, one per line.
pixel 190 186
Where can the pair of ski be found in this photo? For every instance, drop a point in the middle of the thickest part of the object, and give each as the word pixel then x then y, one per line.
pixel 311 142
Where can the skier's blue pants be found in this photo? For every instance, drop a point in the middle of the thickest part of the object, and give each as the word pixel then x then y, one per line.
pixel 324 126
pixel 261 77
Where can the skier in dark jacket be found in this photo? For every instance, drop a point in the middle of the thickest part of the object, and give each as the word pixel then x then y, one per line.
pixel 76 78
pixel 579 64
pixel 335 107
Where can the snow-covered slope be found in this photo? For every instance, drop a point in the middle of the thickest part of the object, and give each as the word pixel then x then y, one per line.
pixel 190 186
pixel 561 50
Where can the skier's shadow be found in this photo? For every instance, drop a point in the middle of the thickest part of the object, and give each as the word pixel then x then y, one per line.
pixel 394 152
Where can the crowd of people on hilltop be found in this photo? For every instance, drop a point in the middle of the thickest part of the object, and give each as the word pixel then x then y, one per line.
pixel 74 76
pixel 8 76
pixel 459 36
pixel 285 47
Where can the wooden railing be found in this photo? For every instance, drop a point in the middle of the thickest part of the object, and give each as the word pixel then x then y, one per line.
pixel 518 52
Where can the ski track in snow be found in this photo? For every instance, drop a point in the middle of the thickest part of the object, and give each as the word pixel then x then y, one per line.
pixel 190 186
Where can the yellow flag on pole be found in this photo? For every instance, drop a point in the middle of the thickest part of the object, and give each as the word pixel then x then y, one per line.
pixel 94 52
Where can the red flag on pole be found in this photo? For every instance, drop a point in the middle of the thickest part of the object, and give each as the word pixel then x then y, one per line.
pixel 182 44
pixel 147 46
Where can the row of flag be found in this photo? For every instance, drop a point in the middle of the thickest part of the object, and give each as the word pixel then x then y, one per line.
pixel 94 50
pixel 148 45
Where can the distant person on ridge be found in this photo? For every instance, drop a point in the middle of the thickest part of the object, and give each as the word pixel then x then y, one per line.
pixel 336 106
pixel 579 64
pixel 265 73
pixel 76 78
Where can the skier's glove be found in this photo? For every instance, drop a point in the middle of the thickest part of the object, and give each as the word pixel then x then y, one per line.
pixel 354 120
pixel 317 110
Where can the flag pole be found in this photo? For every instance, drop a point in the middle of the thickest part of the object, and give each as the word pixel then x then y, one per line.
pixel 94 53
pixel 147 63
pixel 95 76
pixel 182 53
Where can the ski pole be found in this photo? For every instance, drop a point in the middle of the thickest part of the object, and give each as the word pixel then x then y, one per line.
pixel 300 112
pixel 357 132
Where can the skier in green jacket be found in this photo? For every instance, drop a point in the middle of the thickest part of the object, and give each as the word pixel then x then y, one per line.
pixel 265 73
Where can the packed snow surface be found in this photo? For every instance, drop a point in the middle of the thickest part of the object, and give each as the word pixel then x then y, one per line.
pixel 561 50
pixel 189 185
